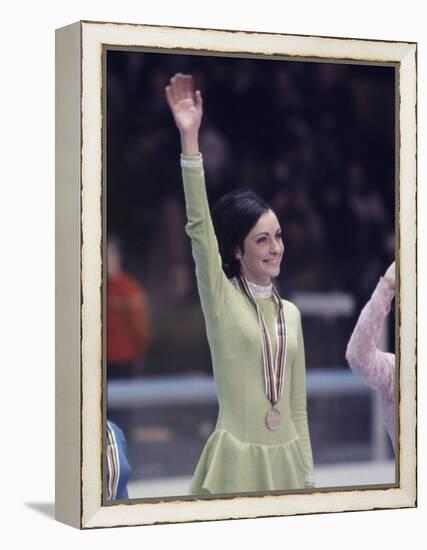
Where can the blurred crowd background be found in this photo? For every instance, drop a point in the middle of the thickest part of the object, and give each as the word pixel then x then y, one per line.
pixel 317 141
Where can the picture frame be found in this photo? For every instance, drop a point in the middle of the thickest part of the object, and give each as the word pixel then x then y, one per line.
pixel 80 265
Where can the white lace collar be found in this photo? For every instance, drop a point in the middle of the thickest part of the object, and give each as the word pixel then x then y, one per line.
pixel 258 291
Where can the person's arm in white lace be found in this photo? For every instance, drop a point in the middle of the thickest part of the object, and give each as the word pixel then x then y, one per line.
pixel 375 367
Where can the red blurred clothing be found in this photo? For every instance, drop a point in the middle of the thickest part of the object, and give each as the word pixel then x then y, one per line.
pixel 128 327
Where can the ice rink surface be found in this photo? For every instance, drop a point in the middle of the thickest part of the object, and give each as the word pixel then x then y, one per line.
pixel 331 475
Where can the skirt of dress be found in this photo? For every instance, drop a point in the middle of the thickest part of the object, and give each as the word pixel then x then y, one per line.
pixel 228 465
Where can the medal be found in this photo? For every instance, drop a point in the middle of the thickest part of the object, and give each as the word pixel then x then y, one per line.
pixel 274 369
pixel 272 419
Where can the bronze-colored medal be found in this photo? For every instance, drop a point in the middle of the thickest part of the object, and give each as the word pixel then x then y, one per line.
pixel 272 419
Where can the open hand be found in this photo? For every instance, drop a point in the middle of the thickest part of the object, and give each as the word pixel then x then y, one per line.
pixel 186 104
pixel 389 276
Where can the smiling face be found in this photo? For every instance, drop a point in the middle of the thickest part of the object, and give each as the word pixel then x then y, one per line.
pixel 263 250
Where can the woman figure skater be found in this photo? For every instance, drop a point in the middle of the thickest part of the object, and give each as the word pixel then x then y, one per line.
pixel 376 367
pixel 261 441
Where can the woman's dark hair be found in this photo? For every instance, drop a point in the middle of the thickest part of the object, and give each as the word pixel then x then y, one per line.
pixel 233 216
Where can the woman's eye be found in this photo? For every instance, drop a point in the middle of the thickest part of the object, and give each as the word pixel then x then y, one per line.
pixel 279 236
pixel 261 240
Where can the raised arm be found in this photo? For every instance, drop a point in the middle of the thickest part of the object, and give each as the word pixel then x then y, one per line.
pixel 187 109
pixel 375 367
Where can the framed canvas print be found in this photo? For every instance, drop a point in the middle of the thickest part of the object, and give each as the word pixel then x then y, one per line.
pixel 235 274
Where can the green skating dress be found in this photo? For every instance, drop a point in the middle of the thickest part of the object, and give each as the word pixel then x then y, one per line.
pixel 242 454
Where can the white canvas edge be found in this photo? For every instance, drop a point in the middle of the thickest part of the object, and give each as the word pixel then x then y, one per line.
pixel 94 35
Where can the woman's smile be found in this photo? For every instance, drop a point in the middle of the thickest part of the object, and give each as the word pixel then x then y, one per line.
pixel 272 261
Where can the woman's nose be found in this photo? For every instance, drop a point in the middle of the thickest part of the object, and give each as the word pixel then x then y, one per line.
pixel 275 247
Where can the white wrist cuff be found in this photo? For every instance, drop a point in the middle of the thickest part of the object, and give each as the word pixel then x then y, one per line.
pixel 195 161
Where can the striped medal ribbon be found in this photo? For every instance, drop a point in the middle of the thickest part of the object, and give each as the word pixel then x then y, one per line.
pixel 274 371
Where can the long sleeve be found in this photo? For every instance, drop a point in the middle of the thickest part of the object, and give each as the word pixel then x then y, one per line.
pixel 375 367
pixel 118 467
pixel 211 279
pixel 299 405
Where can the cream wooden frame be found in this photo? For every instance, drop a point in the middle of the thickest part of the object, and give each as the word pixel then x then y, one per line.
pixel 79 224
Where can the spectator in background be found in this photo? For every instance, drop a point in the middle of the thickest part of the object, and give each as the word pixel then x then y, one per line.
pixel 128 325
pixel 376 367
